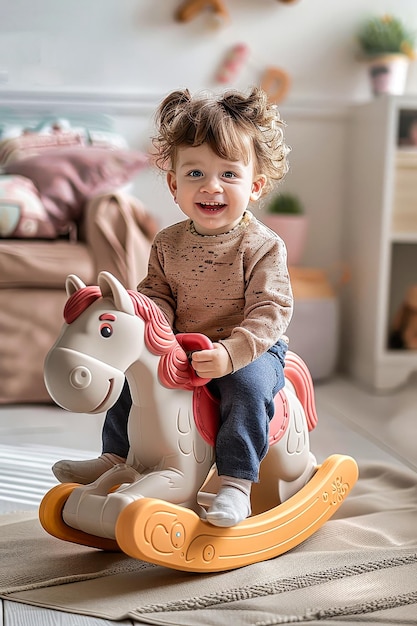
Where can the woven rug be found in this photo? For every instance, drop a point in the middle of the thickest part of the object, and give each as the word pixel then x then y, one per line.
pixel 361 566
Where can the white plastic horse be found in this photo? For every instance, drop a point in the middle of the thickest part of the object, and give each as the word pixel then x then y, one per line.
pixel 151 507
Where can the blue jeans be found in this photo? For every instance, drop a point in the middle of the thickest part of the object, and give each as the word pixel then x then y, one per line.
pixel 246 408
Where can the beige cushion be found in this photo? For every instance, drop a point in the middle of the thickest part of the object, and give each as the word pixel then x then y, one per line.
pixel 43 264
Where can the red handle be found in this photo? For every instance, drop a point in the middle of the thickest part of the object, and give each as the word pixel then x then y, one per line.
pixel 190 342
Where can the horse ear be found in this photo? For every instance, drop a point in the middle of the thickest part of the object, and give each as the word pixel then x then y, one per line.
pixel 73 284
pixel 112 288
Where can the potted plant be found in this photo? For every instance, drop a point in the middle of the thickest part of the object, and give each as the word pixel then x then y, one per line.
pixel 285 215
pixel 387 46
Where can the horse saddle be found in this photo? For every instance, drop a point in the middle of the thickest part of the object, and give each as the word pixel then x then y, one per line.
pixel 206 405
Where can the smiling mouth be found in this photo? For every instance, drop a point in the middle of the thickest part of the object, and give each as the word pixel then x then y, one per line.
pixel 111 381
pixel 212 207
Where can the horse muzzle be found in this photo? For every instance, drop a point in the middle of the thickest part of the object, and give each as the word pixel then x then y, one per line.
pixel 81 383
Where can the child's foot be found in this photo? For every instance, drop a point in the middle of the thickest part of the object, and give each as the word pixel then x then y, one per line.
pixel 85 472
pixel 231 504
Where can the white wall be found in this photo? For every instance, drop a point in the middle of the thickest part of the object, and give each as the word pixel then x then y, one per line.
pixel 126 54
pixel 137 45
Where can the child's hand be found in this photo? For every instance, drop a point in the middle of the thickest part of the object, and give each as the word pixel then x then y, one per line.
pixel 212 363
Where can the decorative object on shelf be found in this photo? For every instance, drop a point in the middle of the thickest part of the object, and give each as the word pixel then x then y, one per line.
pixel 285 215
pixel 404 326
pixel 387 46
pixel 407 130
pixel 189 9
pixel 274 80
pixel 233 63
pixel 276 83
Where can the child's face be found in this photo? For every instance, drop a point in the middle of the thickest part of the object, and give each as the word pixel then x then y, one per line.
pixel 212 191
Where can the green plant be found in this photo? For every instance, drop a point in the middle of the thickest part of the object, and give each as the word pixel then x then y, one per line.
pixel 386 34
pixel 285 203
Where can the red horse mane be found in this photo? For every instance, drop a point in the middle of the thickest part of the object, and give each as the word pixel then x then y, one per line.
pixel 174 368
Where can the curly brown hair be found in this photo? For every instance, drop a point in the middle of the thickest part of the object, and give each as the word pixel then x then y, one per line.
pixel 232 124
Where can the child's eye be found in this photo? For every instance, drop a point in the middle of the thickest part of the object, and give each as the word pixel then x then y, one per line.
pixel 195 174
pixel 229 175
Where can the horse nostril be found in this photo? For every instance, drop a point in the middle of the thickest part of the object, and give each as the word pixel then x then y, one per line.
pixel 80 377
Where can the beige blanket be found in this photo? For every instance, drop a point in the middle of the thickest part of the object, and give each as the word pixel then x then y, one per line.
pixel 360 567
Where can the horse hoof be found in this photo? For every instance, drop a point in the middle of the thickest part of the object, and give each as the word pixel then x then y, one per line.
pixel 50 516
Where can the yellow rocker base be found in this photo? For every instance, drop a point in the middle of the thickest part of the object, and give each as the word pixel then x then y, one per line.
pixel 170 535
pixel 166 534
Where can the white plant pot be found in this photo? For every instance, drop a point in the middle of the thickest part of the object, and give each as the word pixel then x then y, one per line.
pixel 293 230
pixel 388 73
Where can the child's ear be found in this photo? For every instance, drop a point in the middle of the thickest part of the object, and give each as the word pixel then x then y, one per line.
pixel 257 187
pixel 172 182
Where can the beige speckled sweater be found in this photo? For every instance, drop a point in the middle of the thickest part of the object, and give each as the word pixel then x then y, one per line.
pixel 234 288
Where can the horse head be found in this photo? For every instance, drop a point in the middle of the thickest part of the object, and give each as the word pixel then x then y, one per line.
pixel 102 336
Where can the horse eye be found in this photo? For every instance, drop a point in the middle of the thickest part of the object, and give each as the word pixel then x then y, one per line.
pixel 106 330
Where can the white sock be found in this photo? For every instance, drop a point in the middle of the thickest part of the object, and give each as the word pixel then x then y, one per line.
pixel 85 472
pixel 232 502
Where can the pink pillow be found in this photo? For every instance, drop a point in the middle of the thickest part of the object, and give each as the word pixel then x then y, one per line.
pixel 67 177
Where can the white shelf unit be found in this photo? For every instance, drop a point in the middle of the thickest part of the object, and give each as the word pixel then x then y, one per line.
pixel 382 259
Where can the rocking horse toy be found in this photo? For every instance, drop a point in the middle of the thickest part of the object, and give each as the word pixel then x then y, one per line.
pixel 152 507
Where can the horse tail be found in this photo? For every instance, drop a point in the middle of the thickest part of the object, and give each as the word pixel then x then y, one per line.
pixel 297 372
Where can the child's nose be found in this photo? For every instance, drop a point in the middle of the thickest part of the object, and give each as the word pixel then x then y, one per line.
pixel 212 185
